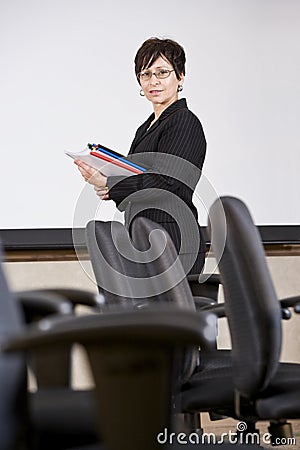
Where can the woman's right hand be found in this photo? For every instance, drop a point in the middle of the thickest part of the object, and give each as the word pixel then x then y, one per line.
pixel 91 175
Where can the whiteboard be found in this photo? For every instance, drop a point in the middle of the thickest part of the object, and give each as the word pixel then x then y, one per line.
pixel 67 78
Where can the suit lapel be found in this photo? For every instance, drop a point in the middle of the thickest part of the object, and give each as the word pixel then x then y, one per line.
pixel 143 131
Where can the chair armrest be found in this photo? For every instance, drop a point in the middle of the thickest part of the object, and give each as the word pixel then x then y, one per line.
pixel 291 302
pixel 75 296
pixel 56 305
pixel 203 302
pixel 218 310
pixel 213 279
pixel 205 285
pixel 36 305
pixel 152 326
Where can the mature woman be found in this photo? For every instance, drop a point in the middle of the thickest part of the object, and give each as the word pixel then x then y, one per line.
pixel 171 143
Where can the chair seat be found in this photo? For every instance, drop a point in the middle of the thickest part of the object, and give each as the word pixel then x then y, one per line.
pixel 282 397
pixel 210 388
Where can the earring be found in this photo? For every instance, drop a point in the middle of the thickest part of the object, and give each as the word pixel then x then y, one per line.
pixel 180 88
pixel 142 93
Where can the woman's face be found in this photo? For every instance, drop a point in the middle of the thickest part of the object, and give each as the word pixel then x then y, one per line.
pixel 161 91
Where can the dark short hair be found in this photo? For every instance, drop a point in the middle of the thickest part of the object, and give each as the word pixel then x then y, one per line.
pixel 153 48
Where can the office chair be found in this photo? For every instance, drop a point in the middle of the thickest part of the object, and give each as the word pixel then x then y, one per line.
pixel 257 386
pixel 133 355
pixel 110 246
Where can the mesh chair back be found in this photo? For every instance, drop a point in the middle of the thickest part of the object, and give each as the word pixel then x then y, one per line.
pixel 252 307
pixel 166 277
pixel 114 264
pixel 130 277
pixel 166 282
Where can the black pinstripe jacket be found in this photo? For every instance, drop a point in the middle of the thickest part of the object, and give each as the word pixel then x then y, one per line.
pixel 174 149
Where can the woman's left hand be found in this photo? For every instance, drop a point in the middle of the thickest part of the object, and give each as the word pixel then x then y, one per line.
pixel 95 178
pixel 102 193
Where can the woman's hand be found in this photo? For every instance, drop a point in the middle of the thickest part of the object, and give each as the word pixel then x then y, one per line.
pixel 95 178
pixel 102 193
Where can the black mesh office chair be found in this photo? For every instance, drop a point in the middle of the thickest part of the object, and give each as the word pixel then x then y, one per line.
pixel 257 386
pixel 254 316
pixel 127 278
pixel 211 388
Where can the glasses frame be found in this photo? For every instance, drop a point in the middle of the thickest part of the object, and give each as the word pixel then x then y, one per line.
pixel 154 73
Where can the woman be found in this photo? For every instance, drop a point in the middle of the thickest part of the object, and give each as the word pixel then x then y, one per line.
pixel 171 143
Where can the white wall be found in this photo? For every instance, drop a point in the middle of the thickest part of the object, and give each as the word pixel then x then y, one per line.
pixel 67 78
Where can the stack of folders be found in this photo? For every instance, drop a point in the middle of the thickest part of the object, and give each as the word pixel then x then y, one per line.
pixel 107 161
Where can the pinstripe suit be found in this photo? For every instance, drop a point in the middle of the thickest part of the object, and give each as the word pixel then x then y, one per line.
pixel 174 149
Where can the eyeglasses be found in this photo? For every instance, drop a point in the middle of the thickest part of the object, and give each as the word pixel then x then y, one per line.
pixel 160 74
